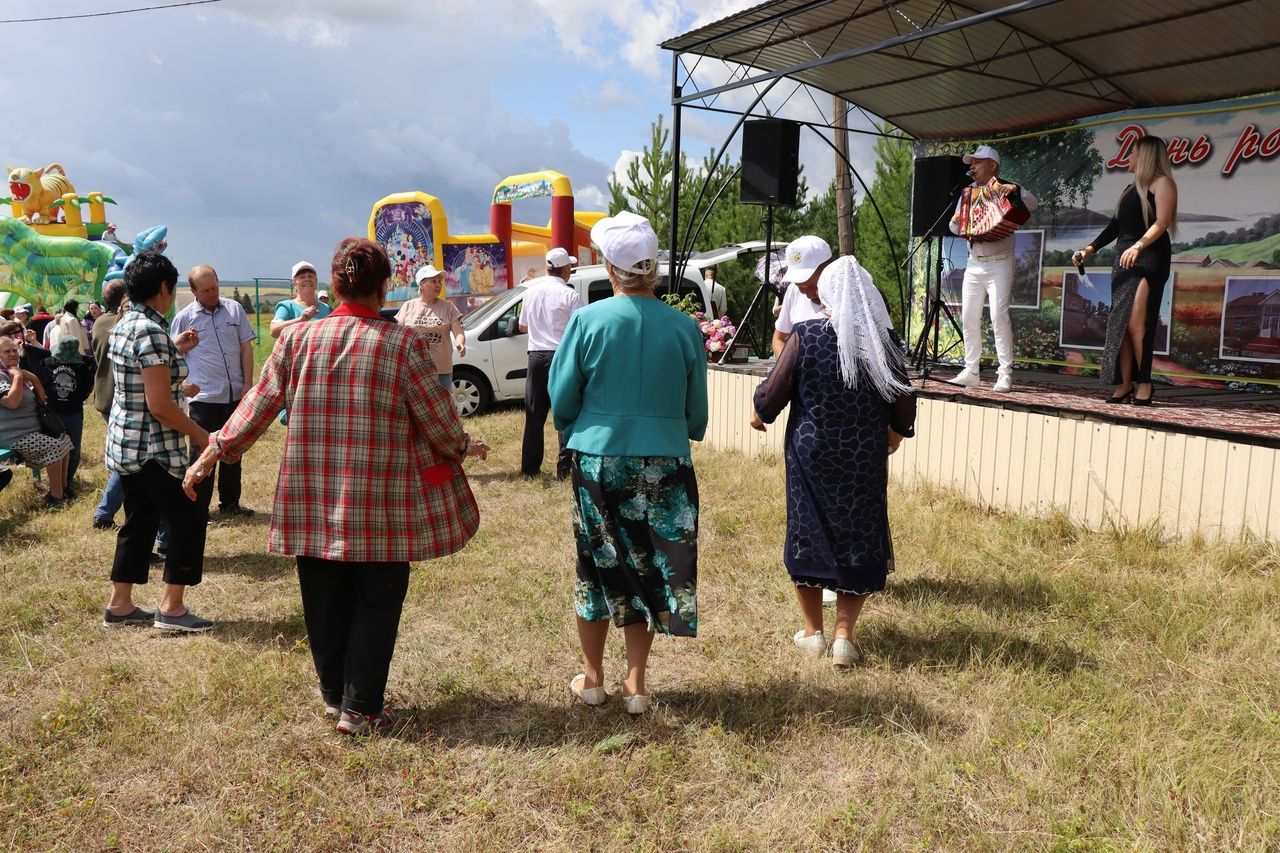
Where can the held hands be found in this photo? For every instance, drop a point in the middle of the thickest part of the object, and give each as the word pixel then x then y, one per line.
pixel 199 470
pixel 756 423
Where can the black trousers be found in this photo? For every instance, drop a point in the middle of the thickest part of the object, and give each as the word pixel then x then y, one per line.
pixel 352 612
pixel 150 495
pixel 537 405
pixel 214 416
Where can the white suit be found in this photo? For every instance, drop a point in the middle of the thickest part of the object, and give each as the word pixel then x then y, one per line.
pixel 989 273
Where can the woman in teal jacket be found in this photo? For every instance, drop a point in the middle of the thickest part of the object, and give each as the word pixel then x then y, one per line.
pixel 628 387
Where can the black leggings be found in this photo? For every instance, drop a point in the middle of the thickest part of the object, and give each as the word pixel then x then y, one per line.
pixel 150 495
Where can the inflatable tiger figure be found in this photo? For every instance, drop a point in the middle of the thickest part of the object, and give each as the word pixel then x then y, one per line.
pixel 35 190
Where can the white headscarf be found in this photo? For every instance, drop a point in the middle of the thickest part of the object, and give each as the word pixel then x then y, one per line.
pixel 862 327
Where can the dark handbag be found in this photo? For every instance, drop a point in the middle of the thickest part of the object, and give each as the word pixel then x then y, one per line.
pixel 50 424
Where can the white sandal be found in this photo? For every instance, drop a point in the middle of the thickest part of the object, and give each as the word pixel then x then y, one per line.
pixel 589 695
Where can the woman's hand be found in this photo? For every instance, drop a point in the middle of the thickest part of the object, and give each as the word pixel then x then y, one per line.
pixel 1130 256
pixel 478 448
pixel 894 441
pixel 186 341
pixel 756 423
pixel 190 389
pixel 200 469
pixel 460 344
pixel 309 312
pixel 1081 254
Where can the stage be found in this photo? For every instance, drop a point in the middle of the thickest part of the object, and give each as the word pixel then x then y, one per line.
pixel 1201 461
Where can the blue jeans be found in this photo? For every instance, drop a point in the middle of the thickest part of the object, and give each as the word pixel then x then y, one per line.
pixel 112 495
pixel 446 379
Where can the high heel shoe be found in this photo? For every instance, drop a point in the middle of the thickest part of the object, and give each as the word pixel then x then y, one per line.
pixel 1141 401
pixel 1121 398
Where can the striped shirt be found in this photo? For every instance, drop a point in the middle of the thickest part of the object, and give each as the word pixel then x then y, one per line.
pixel 140 340
pixel 372 460
pixel 215 363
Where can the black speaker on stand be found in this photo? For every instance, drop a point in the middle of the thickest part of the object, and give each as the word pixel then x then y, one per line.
pixel 770 174
pixel 936 186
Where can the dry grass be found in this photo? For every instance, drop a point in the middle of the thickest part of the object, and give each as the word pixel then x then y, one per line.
pixel 1027 686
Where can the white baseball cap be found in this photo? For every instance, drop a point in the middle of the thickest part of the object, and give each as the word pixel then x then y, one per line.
pixel 627 241
pixel 324 294
pixel 24 308
pixel 300 266
pixel 982 152
pixel 558 258
pixel 426 271
pixel 804 255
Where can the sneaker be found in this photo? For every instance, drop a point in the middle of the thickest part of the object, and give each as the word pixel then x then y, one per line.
pixel 187 622
pixel 332 711
pixel 843 652
pixel 234 511
pixel 1004 383
pixel 350 723
pixel 814 644
pixel 966 378
pixel 101 522
pixel 828 596
pixel 139 616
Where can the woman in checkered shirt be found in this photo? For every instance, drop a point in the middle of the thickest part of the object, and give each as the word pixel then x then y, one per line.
pixel 371 477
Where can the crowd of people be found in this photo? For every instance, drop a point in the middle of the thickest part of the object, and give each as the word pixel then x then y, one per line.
pixel 182 407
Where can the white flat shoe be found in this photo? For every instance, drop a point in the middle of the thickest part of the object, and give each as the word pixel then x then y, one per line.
pixel 843 652
pixel 637 704
pixel 588 695
pixel 814 644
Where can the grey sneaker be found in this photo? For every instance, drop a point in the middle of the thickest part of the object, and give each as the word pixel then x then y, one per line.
pixel 188 622
pixel 353 723
pixel 139 616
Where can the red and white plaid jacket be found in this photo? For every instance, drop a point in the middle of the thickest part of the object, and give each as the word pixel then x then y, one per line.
pixel 372 462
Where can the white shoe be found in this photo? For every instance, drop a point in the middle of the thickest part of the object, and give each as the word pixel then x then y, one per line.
pixel 588 695
pixel 814 644
pixel 967 378
pixel 636 704
pixel 1004 383
pixel 843 652
pixel 828 596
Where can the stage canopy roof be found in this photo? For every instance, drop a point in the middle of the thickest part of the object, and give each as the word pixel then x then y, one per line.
pixel 939 69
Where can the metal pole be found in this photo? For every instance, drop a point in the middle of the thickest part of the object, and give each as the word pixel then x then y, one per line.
pixel 673 259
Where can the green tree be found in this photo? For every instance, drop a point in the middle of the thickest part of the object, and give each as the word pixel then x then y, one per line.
pixel 881 247
pixel 1059 168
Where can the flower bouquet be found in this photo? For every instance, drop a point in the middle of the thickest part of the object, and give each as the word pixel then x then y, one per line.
pixel 717 332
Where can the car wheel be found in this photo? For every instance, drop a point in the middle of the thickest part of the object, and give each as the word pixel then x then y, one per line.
pixel 471 393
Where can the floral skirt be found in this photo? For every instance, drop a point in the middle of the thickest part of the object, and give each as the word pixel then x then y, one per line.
pixel 636 523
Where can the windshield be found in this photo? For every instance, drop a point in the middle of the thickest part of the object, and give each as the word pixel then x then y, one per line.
pixel 496 305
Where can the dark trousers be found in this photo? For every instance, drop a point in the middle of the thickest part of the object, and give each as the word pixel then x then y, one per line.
pixel 213 416
pixel 150 495
pixel 352 612
pixel 537 404
pixel 74 425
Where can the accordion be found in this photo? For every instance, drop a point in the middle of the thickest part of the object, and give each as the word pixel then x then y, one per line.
pixel 987 217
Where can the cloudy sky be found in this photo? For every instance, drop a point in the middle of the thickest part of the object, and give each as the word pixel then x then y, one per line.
pixel 262 131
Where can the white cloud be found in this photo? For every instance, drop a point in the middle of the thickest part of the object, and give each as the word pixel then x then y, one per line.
pixel 611 95
pixel 254 96
pixel 590 198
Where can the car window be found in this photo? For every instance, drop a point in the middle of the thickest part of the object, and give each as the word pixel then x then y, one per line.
pixel 479 316
pixel 599 289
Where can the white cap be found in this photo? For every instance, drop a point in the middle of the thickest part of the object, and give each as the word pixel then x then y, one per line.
pixel 324 294
pixel 300 266
pixel 426 271
pixel 558 258
pixel 627 241
pixel 804 255
pixel 982 152
pixel 24 308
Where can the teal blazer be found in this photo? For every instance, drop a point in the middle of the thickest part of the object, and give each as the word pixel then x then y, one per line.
pixel 630 379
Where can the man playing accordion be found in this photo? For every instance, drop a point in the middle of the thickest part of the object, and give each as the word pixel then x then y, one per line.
pixel 989 271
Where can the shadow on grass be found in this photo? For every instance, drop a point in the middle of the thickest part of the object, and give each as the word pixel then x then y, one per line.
pixel 283 631
pixel 260 566
pixel 961 646
pixel 498 477
pixel 1000 595
pixel 768 713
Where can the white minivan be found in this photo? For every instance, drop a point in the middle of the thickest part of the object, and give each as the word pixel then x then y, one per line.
pixel 496 361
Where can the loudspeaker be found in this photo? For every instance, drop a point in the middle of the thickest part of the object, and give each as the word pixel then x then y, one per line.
pixel 937 184
pixel 770 161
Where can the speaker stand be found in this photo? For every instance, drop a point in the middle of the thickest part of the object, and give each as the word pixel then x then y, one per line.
pixel 757 344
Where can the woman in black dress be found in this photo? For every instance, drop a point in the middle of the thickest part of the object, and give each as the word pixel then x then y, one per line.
pixel 1143 221
pixel 844 377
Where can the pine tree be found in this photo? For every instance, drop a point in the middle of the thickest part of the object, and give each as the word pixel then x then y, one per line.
pixel 880 248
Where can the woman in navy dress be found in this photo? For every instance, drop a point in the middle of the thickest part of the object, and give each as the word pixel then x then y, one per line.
pixel 844 378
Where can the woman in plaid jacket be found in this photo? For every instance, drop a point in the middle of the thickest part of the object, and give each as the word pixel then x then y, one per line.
pixel 371 477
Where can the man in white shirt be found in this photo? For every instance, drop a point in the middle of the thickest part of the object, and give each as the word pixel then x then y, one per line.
pixel 806 257
pixel 988 274
pixel 548 303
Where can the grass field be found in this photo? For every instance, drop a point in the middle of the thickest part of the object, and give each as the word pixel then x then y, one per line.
pixel 1025 686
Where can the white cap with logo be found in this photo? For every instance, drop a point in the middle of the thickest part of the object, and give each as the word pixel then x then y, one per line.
pixel 301 266
pixel 804 256
pixel 558 258
pixel 982 152
pixel 627 241
pixel 426 271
